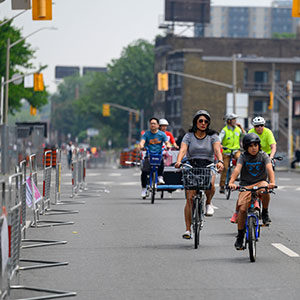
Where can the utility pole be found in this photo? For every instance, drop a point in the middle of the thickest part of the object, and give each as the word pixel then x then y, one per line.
pixel 234 83
pixel 290 121
pixel 273 95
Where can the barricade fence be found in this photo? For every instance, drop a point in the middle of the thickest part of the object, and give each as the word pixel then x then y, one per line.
pixel 20 192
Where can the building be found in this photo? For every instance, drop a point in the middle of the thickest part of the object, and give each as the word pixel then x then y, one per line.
pixel 254 22
pixel 260 62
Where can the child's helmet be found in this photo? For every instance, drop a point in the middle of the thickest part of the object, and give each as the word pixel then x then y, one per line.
pixel 250 138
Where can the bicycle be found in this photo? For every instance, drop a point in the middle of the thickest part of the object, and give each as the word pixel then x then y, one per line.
pixel 198 179
pixel 155 161
pixel 273 161
pixel 229 172
pixel 252 225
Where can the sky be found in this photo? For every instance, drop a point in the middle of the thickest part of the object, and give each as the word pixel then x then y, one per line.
pixel 93 32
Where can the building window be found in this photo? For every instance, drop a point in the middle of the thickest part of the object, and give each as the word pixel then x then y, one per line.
pixel 277 76
pixel 297 76
pixel 259 107
pixel 245 75
pixel 261 76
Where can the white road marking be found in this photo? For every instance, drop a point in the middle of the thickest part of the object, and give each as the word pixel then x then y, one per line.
pixel 297 189
pixel 136 174
pixel 285 250
pixel 129 183
pixel 115 174
pixel 284 179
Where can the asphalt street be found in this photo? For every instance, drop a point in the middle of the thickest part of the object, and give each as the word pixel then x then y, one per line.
pixel 123 247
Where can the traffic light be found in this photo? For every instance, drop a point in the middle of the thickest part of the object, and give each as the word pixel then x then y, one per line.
pixel 105 110
pixel 163 81
pixel 296 9
pixel 271 100
pixel 38 82
pixel 41 10
pixel 32 110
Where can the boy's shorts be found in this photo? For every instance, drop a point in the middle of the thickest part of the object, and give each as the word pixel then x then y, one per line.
pixel 245 197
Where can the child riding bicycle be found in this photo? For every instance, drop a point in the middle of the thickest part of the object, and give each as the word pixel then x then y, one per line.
pixel 254 167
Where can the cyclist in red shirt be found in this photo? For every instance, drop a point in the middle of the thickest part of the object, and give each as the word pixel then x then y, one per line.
pixel 163 124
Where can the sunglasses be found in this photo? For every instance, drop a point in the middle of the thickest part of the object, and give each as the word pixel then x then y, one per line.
pixel 256 126
pixel 203 121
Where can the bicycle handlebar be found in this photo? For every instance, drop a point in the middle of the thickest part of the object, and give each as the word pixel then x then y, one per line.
pixel 226 148
pixel 211 166
pixel 255 189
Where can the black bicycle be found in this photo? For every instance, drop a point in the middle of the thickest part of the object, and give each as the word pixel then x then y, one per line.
pixel 273 161
pixel 198 179
pixel 253 225
pixel 229 172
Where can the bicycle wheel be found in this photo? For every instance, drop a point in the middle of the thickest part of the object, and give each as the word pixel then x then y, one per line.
pixel 196 222
pixel 153 189
pixel 252 238
pixel 227 192
pixel 227 189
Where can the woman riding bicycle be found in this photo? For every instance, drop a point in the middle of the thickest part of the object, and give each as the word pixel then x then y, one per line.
pixel 200 144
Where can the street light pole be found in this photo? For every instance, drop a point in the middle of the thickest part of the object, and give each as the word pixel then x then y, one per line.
pixel 234 83
pixel 7 78
pixel 9 46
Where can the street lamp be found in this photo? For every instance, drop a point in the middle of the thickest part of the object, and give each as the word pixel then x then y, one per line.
pixel 9 46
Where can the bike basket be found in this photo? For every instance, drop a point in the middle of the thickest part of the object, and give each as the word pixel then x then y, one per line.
pixel 155 159
pixel 196 178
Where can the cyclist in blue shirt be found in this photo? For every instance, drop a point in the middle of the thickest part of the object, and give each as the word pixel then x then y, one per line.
pixel 153 140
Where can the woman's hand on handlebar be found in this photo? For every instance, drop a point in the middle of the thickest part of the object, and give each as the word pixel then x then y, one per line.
pixel 220 167
pixel 177 165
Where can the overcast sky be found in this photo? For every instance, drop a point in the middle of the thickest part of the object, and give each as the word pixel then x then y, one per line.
pixel 92 32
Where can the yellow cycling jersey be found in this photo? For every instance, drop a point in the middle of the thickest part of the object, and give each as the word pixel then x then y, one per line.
pixel 266 139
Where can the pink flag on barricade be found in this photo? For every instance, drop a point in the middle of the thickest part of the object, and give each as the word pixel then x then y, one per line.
pixel 37 194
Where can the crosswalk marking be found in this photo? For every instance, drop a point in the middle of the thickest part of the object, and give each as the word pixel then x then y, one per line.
pixel 285 250
pixel 114 174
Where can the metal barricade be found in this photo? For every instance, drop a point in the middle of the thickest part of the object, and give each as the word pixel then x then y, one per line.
pixel 14 230
pixel 46 195
pixel 74 170
pixel 22 168
pixel 58 176
pixel 3 231
pixel 47 210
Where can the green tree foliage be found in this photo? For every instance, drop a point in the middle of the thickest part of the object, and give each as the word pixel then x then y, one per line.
pixel 285 35
pixel 129 81
pixel 20 56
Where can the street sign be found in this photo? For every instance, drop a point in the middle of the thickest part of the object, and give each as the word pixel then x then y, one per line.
pixel 92 131
pixel 20 4
pixel 18 79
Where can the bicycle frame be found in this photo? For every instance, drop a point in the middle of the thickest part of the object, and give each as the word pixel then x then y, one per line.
pixel 252 213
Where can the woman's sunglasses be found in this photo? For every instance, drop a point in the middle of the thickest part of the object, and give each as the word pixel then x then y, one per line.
pixel 256 126
pixel 203 121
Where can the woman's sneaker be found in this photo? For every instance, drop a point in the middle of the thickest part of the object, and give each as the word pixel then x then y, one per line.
pixel 265 217
pixel 209 210
pixel 187 235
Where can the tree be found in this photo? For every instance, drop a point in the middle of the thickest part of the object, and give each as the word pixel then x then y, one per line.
pixel 129 81
pixel 20 56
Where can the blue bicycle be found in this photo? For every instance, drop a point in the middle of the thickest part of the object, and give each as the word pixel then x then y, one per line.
pixel 155 161
pixel 252 225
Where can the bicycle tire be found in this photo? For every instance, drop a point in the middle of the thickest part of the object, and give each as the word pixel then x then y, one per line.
pixel 227 193
pixel 196 224
pixel 227 189
pixel 153 189
pixel 252 238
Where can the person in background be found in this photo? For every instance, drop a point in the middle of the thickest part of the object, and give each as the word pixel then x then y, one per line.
pixel 69 149
pixel 163 124
pixel 180 137
pixel 267 140
pixel 230 137
pixel 153 140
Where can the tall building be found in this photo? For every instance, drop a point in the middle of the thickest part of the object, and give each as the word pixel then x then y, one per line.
pixel 253 22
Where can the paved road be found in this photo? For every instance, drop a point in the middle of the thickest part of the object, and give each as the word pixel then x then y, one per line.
pixel 122 247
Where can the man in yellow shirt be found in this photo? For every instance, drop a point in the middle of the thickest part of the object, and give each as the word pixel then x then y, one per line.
pixel 230 138
pixel 267 140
